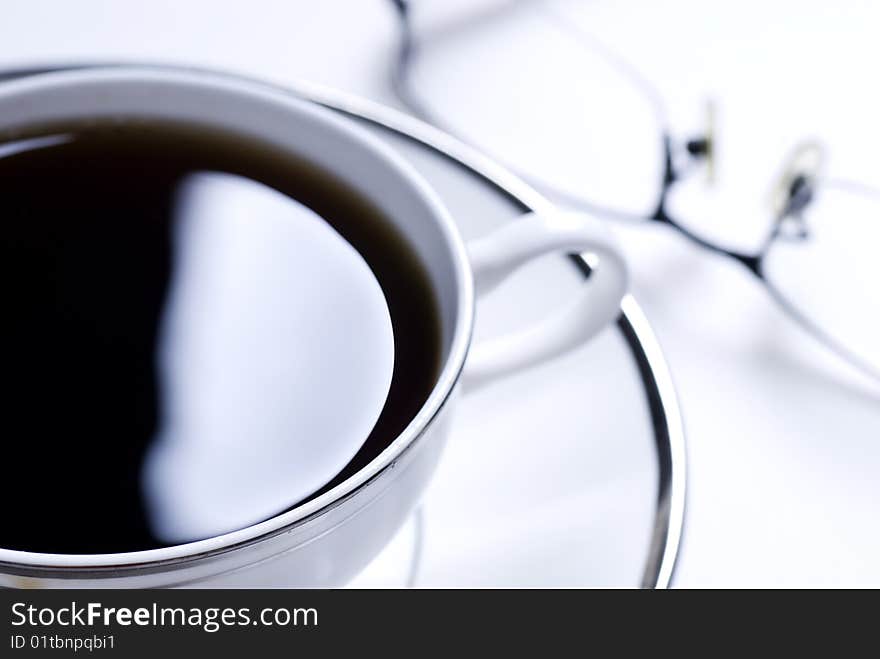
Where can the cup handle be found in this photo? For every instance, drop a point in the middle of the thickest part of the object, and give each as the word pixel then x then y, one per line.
pixel 497 255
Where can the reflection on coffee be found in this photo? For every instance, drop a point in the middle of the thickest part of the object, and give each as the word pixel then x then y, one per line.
pixel 150 370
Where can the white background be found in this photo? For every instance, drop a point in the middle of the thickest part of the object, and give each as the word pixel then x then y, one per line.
pixel 784 441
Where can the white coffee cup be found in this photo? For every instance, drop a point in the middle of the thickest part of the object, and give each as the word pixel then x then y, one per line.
pixel 329 539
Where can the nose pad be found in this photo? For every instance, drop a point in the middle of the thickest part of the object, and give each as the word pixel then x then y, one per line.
pixel 793 189
pixel 702 148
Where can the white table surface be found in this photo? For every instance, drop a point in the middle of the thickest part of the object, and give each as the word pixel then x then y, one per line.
pixel 784 441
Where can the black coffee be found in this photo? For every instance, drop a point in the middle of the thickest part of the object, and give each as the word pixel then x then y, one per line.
pixel 91 216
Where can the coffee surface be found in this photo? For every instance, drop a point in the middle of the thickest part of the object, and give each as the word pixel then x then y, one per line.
pixel 148 374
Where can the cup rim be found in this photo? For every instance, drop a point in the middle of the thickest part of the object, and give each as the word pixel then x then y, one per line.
pixel 187 553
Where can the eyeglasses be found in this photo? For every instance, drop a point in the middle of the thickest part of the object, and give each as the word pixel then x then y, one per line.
pixel 818 246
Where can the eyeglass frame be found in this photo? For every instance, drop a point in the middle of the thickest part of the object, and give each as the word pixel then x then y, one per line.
pixel 794 191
